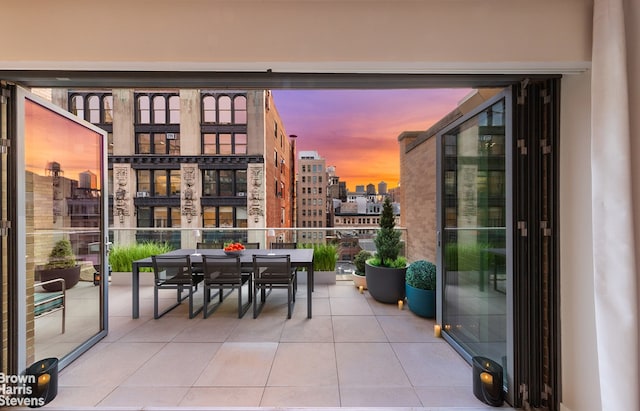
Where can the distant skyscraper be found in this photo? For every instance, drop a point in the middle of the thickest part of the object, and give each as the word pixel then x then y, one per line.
pixel 371 189
pixel 311 196
pixel 359 189
pixel 382 188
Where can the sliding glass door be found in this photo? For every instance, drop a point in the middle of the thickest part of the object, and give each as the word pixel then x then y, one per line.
pixel 474 232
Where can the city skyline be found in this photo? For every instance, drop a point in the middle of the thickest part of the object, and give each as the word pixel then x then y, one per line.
pixel 357 130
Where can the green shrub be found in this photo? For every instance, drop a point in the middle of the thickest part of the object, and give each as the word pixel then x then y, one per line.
pixel 122 257
pixel 421 274
pixel 360 259
pixel 325 256
pixel 61 256
pixel 466 257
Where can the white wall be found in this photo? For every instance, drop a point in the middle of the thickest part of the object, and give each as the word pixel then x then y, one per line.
pixel 301 35
pixel 580 384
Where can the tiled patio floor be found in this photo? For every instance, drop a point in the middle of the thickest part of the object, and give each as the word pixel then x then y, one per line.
pixel 354 353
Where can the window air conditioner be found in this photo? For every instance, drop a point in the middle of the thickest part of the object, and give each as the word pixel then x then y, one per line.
pixel 142 194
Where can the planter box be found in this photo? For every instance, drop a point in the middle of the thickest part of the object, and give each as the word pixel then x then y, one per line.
pixel 320 277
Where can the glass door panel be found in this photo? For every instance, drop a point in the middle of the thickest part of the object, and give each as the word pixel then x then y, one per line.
pixel 474 245
pixel 62 164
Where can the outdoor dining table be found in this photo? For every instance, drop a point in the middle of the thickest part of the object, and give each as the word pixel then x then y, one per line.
pixel 300 258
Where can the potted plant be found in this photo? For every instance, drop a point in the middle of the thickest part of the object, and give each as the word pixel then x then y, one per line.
pixel 385 272
pixel 61 264
pixel 421 288
pixel 325 258
pixel 358 276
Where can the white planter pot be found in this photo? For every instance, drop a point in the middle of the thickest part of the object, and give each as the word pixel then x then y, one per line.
pixel 359 280
pixel 320 277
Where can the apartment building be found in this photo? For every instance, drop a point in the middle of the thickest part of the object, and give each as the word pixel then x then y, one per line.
pixel 202 159
pixel 312 197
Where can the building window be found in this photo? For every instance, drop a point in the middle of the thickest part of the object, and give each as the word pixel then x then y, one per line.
pixel 209 109
pixel 224 108
pixel 157 108
pixel 162 183
pixel 158 143
pixel 224 216
pixel 224 143
pixel 240 110
pixel 224 183
pixel 96 108
pixel 158 217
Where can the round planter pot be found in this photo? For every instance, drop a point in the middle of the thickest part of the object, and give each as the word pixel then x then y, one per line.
pixel 359 280
pixel 421 302
pixel 71 277
pixel 385 284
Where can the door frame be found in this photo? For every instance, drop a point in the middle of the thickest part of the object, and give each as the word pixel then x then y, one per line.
pixel 17 238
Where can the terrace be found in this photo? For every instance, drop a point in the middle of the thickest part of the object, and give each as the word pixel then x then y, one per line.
pixel 354 353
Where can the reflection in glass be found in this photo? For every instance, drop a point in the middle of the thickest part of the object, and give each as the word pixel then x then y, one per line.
pixel 474 237
pixel 63 162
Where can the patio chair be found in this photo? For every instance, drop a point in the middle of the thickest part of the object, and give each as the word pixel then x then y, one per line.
pixel 223 272
pixel 269 272
pixel 282 246
pixel 45 303
pixel 174 272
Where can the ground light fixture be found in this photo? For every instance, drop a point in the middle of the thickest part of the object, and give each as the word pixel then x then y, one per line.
pixel 44 384
pixel 487 381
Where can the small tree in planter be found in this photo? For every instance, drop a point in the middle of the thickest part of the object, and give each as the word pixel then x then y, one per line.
pixel 421 288
pixel 62 264
pixel 359 261
pixel 385 272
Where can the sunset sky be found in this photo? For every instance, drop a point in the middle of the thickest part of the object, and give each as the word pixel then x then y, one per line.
pixel 357 130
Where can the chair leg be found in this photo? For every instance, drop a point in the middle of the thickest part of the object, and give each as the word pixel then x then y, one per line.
pixel 156 313
pixel 191 312
pixel 255 300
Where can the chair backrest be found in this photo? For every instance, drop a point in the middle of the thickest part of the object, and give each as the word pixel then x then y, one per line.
pixel 209 246
pixel 221 267
pixel 272 266
pixel 282 246
pixel 172 268
pixel 252 246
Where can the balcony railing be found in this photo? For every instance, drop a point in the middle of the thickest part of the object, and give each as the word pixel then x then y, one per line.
pixel 350 239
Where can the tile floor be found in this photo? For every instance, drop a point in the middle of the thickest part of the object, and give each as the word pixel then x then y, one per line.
pixel 354 353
